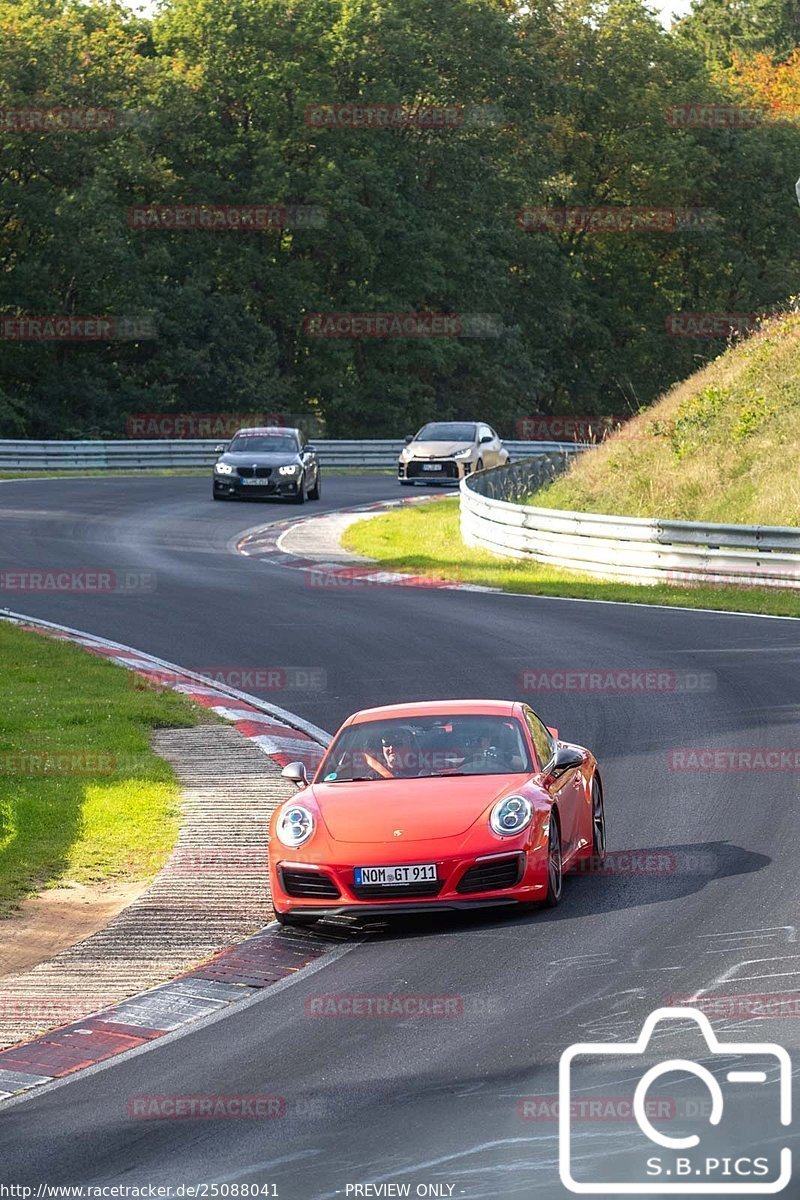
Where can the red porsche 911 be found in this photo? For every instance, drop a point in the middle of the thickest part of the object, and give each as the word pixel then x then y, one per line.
pixel 440 804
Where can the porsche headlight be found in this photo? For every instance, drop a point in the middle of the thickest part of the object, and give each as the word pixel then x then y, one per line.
pixel 463 453
pixel 223 469
pixel 289 469
pixel 511 815
pixel 295 825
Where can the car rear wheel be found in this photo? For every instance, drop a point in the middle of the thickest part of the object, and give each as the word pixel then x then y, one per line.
pixel 315 492
pixel 300 498
pixel 555 869
pixel 598 824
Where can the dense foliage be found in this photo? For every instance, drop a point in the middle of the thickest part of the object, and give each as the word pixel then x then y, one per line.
pixel 560 103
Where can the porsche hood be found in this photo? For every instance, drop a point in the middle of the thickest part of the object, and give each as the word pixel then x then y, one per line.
pixel 423 809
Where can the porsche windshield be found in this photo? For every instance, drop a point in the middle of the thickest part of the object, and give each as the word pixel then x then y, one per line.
pixel 406 748
pixel 264 443
pixel 447 431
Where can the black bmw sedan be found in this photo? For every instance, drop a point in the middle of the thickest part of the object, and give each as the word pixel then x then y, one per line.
pixel 267 462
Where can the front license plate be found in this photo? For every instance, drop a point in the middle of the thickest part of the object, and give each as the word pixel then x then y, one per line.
pixel 395 875
pixel 255 482
pixel 431 466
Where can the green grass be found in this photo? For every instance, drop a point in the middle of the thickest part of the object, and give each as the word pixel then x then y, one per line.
pixel 721 446
pixel 426 539
pixel 117 821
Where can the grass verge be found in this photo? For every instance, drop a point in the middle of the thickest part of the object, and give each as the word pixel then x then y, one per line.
pixel 720 446
pixel 108 808
pixel 426 539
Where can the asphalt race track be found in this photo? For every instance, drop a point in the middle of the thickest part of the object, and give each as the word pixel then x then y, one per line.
pixel 437 1101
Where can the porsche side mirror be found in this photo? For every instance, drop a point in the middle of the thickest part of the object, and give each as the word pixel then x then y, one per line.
pixel 296 771
pixel 408 439
pixel 565 759
pixel 551 729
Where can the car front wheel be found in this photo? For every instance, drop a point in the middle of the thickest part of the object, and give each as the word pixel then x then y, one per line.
pixel 315 492
pixel 555 869
pixel 300 498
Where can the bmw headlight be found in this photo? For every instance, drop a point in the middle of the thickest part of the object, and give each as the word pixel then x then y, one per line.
pixel 463 453
pixel 223 469
pixel 289 469
pixel 295 825
pixel 511 815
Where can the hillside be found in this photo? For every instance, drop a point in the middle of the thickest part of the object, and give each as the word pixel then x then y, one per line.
pixel 723 445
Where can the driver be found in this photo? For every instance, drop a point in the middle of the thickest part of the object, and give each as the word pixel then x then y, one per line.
pixel 399 753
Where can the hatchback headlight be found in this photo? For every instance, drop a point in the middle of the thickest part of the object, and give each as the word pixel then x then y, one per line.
pixel 289 469
pixel 295 825
pixel 463 453
pixel 223 469
pixel 511 815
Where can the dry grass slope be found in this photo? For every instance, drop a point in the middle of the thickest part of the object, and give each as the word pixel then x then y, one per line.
pixel 723 445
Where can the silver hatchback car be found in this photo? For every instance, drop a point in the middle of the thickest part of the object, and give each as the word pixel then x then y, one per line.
pixel 447 451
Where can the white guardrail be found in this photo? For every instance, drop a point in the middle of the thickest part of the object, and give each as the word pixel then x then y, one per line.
pixel 131 455
pixel 627 548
